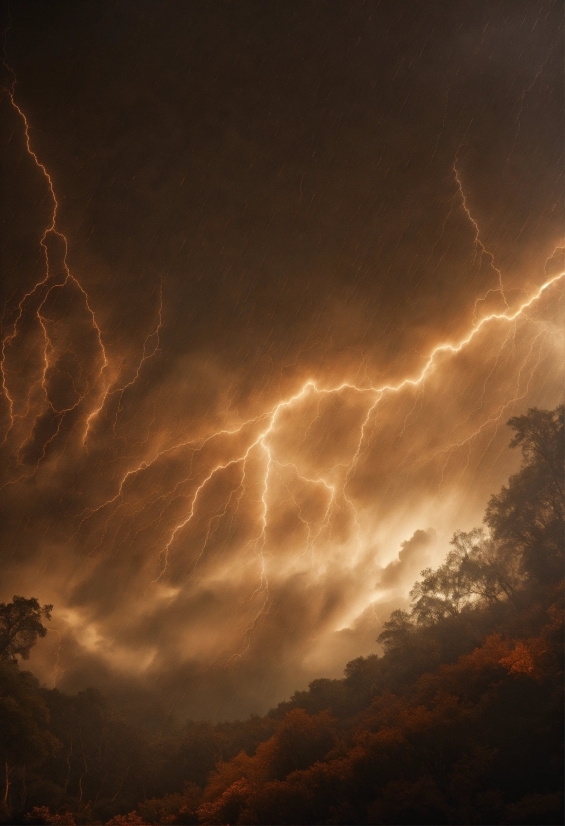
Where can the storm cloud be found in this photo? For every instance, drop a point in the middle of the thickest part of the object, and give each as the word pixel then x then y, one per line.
pixel 276 276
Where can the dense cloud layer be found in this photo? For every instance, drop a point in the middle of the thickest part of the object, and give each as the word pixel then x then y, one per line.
pixel 228 450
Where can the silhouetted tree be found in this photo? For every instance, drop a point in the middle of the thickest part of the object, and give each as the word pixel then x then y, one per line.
pixel 527 517
pixel 398 631
pixel 21 623
pixel 478 568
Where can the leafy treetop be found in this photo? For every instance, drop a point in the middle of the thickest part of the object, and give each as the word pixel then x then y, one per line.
pixel 21 623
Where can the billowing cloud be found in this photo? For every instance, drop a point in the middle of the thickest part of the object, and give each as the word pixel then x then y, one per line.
pixel 414 555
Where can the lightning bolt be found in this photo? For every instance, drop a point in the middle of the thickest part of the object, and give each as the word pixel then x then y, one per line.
pixel 480 248
pixel 101 381
pixel 147 354
pixel 44 288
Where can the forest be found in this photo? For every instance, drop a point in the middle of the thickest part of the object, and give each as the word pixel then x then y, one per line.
pixel 458 721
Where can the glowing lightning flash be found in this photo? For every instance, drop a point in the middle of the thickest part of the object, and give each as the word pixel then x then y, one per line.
pixel 44 284
pixel 42 291
pixel 480 248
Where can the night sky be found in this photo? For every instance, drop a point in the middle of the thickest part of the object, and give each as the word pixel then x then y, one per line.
pixel 275 277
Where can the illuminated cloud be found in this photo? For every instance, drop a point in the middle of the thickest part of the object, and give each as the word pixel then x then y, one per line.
pixel 412 558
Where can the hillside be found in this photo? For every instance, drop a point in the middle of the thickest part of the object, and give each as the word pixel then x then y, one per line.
pixel 460 720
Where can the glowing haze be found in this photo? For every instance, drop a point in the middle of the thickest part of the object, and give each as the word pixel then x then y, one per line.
pixel 277 276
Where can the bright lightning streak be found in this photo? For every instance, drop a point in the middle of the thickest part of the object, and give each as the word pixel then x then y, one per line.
pixel 42 290
pixel 478 244
pixel 51 230
pixel 145 357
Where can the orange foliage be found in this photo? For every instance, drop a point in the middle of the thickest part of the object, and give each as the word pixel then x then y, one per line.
pixel 300 740
pixel 486 656
pixel 411 749
pixel 520 660
pixel 131 819
pixel 227 807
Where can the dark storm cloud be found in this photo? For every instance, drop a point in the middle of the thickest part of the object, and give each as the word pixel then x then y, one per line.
pixel 251 157
pixel 256 196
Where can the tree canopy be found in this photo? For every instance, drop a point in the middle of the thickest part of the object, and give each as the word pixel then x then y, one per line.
pixel 21 623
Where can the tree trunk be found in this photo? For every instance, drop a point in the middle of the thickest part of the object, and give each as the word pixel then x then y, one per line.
pixel 7 782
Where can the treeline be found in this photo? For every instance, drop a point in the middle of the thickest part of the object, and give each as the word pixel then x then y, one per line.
pixel 459 721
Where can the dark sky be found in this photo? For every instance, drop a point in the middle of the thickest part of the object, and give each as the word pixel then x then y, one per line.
pixel 255 196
